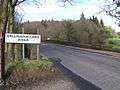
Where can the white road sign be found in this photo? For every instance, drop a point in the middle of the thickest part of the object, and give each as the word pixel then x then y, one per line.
pixel 22 38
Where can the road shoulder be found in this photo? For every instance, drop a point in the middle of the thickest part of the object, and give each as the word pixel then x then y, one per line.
pixel 109 53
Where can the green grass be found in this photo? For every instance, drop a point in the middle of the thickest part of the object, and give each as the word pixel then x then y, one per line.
pixel 31 65
pixel 30 73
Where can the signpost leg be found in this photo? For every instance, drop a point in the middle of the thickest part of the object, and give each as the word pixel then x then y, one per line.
pixel 38 52
pixel 23 47
pixel 23 51
pixel 38 48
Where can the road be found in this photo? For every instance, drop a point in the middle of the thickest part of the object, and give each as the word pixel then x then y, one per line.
pixel 101 70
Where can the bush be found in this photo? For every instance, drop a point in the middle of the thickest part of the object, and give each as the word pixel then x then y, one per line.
pixel 41 65
pixel 30 73
pixel 116 48
pixel 113 44
pixel 113 41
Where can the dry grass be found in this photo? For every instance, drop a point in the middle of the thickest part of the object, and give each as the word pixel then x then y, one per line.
pixel 36 75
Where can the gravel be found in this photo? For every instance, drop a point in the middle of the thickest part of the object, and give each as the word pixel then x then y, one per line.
pixel 58 84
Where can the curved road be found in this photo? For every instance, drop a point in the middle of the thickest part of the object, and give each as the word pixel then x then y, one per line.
pixel 101 70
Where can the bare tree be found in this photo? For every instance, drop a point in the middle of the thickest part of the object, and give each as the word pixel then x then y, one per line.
pixel 112 8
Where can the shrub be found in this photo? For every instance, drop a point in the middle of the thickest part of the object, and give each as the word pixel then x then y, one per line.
pixel 113 44
pixel 116 48
pixel 41 65
pixel 113 41
pixel 30 73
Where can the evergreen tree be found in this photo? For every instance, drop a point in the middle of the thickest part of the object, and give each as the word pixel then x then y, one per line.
pixel 101 23
pixel 82 18
pixel 95 20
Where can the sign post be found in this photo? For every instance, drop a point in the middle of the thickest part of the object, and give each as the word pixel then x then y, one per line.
pixel 16 38
pixel 24 39
pixel 38 48
pixel 23 47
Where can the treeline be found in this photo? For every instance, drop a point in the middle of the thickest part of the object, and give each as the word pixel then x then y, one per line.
pixel 84 31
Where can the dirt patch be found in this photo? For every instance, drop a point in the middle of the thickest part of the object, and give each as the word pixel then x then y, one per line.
pixel 37 80
pixel 58 84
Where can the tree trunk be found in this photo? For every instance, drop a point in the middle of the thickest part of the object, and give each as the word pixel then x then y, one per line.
pixel 11 46
pixel 4 9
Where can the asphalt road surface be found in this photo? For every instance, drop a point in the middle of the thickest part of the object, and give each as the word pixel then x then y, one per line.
pixel 101 70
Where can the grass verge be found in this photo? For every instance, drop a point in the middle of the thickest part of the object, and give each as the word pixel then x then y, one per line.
pixel 30 73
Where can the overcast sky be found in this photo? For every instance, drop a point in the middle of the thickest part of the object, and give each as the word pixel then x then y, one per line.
pixel 54 10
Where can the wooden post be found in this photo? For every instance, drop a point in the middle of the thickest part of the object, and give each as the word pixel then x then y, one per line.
pixel 38 48
pixel 23 47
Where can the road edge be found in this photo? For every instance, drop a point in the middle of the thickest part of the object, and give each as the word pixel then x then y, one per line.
pixel 115 55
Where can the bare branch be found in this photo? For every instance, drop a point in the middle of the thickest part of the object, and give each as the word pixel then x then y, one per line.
pixel 112 8
pixel 19 2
